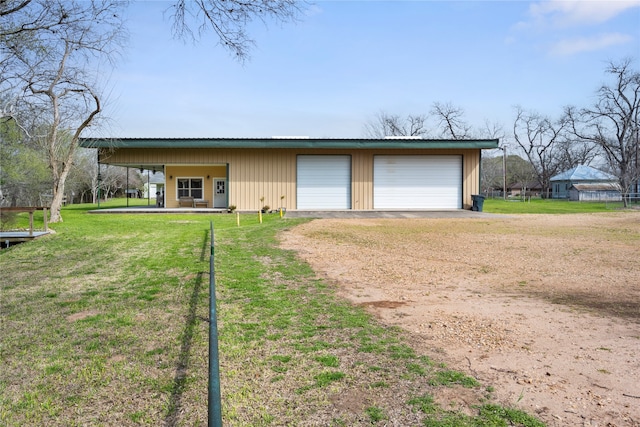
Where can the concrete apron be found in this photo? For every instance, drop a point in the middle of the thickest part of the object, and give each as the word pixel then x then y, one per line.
pixel 453 213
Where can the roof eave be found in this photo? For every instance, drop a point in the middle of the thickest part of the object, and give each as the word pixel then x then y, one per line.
pixel 287 143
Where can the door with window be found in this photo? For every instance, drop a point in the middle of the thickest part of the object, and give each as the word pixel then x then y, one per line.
pixel 219 193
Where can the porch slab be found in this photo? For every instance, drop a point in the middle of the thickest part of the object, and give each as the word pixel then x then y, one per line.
pixel 453 213
pixel 154 210
pixel 347 213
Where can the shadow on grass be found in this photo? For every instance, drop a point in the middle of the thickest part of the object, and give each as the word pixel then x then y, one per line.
pixel 182 367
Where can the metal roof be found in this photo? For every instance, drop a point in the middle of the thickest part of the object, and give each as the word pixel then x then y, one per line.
pixel 604 186
pixel 299 142
pixel 583 173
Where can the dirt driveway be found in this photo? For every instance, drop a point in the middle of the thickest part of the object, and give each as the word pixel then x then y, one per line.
pixel 545 308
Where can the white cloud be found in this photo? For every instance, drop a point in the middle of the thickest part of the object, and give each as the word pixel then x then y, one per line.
pixel 313 10
pixel 588 44
pixel 568 27
pixel 563 13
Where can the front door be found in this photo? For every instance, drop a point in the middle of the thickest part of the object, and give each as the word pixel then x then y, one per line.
pixel 219 193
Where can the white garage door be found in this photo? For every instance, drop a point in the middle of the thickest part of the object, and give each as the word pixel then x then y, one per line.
pixel 417 182
pixel 324 182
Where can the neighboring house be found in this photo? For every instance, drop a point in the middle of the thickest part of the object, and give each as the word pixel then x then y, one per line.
pixel 584 183
pixel 307 173
pixel 132 193
pixel 156 183
pixel 532 188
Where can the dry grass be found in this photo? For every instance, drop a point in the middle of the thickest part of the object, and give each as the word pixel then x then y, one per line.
pixel 104 324
pixel 593 254
pixel 523 302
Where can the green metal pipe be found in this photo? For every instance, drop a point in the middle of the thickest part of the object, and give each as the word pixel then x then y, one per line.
pixel 215 405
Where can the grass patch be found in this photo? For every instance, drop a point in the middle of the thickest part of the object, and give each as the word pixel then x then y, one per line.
pixel 545 206
pixel 327 378
pixel 322 380
pixel 449 377
pixel 488 415
pixel 425 404
pixel 105 323
pixel 328 361
pixel 497 414
pixel 375 414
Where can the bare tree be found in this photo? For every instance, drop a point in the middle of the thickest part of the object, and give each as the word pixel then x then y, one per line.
pixel 612 123
pixel 384 124
pixel 51 51
pixel 444 120
pixel 24 24
pixel 492 174
pixel 228 19
pixel 114 180
pixel 8 7
pixel 23 171
pixel 573 152
pixel 493 130
pixel 539 137
pixel 450 121
pixel 53 67
pixel 518 170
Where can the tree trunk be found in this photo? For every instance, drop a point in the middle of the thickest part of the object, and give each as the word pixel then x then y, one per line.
pixel 58 192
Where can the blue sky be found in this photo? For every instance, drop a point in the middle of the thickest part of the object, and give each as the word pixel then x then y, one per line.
pixel 345 61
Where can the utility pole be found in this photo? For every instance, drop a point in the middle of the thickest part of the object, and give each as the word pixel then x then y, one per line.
pixel 504 171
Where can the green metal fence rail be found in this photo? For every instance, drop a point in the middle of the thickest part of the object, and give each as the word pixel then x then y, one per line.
pixel 215 406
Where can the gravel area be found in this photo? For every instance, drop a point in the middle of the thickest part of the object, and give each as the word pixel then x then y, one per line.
pixel 545 308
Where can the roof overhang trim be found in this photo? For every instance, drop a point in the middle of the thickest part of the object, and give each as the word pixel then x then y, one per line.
pixel 352 144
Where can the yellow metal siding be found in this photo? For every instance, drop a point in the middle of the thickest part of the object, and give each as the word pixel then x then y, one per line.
pixel 362 181
pixel 271 173
pixel 207 173
pixel 471 177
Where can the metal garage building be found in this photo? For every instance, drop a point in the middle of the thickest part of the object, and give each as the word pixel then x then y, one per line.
pixel 306 173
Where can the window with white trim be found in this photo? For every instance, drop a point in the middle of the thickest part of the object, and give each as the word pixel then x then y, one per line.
pixel 190 187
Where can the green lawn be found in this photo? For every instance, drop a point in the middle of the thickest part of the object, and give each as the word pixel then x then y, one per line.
pixel 546 206
pixel 104 323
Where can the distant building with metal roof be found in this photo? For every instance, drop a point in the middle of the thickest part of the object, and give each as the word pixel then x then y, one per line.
pixel 584 183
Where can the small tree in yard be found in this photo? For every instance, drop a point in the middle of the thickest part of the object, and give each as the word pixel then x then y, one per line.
pixel 52 53
pixel 612 124
pixel 24 175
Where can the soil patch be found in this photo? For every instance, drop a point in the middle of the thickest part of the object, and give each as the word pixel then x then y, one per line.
pixel 81 315
pixel 545 308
